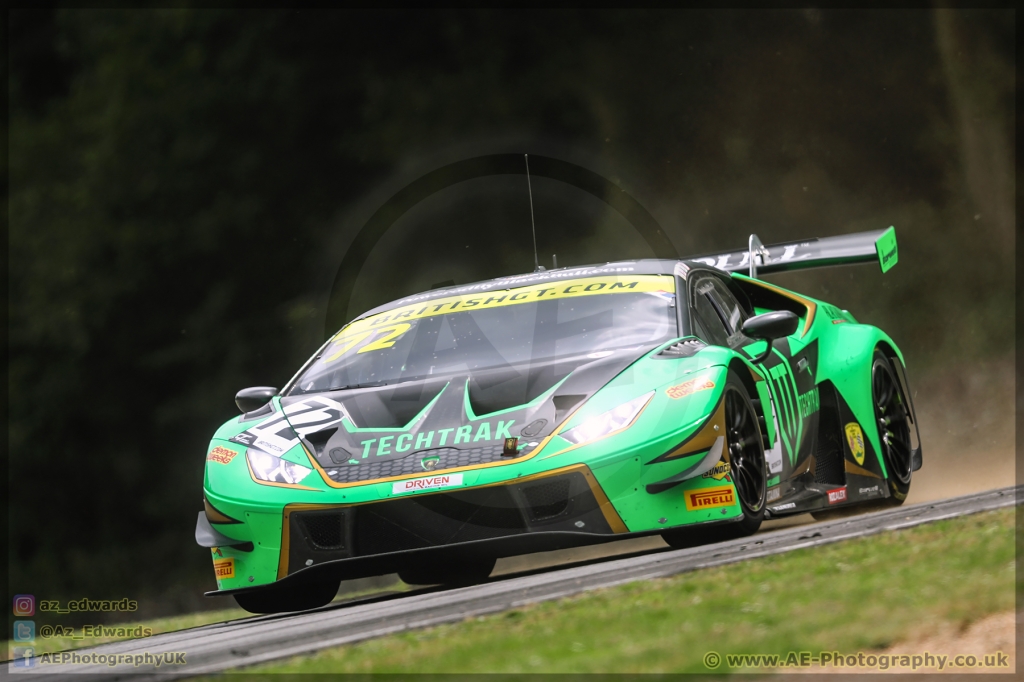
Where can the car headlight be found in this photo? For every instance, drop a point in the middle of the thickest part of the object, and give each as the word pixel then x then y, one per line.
pixel 608 422
pixel 272 469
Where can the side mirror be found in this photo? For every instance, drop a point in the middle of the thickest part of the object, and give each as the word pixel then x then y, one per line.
pixel 249 399
pixel 770 326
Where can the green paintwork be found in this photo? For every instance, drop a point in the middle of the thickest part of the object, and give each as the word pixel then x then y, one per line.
pixel 619 462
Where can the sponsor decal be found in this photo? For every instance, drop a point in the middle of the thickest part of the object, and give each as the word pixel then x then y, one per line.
pixel 774 494
pixel 511 448
pixel 718 472
pixel 221 455
pixel 276 435
pixel 710 498
pixel 370 333
pixel 224 568
pixel 855 438
pixel 872 491
pixel 424 440
pixel 809 402
pixel 216 551
pixel 788 505
pixel 738 260
pixel 431 483
pixel 785 408
pixel 837 495
pixel 687 387
pixel 430 463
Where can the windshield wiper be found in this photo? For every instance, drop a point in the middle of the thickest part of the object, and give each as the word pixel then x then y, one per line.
pixel 369 384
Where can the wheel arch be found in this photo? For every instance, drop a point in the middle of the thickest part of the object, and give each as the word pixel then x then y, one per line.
pixel 746 374
pixel 847 364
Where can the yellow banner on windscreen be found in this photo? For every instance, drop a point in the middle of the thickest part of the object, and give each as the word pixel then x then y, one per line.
pixel 383 329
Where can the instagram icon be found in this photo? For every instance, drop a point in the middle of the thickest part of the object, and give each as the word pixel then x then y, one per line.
pixel 24 605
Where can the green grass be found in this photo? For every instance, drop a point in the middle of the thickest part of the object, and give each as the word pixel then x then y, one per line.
pixel 857 595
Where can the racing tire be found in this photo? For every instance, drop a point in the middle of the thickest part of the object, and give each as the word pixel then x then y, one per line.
pixel 453 573
pixel 892 421
pixel 281 599
pixel 748 470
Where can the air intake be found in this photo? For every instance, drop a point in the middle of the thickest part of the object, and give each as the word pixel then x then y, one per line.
pixel 547 500
pixel 324 530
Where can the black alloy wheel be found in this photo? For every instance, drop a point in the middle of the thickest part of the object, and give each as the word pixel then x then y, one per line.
pixel 893 421
pixel 747 468
pixel 746 450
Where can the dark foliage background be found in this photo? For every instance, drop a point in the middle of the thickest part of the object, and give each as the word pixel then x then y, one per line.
pixel 183 184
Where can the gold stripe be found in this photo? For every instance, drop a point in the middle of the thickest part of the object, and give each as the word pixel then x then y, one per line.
pixel 860 471
pixel 611 516
pixel 703 439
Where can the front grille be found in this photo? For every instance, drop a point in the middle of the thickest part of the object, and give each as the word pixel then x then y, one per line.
pixel 547 500
pixel 450 458
pixel 439 519
pixel 564 503
pixel 324 530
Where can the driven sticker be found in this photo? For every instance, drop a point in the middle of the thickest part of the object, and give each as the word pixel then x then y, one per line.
pixel 431 483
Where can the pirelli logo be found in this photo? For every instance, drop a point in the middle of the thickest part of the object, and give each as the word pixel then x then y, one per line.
pixel 709 498
pixel 224 568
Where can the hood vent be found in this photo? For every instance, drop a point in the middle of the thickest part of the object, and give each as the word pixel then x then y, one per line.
pixel 686 348
pixel 564 404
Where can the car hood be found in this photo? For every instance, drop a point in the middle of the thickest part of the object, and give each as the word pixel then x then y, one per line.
pixel 438 423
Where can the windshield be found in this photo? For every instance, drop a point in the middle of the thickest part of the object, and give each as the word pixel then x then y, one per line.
pixel 508 329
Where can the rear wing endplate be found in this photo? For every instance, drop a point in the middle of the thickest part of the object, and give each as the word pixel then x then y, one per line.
pixel 861 247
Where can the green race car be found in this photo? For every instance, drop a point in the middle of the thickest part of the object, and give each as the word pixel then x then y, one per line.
pixel 437 433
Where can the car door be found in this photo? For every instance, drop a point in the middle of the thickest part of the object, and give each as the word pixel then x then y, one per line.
pixel 719 315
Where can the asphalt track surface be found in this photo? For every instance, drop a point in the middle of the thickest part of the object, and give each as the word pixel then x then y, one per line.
pixel 258 639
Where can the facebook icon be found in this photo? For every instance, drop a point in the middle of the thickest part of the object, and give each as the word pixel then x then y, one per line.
pixel 24 657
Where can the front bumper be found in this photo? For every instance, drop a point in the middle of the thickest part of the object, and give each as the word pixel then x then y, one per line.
pixel 560 509
pixel 375 537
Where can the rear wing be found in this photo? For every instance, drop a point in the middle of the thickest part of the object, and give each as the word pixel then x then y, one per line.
pixel 861 247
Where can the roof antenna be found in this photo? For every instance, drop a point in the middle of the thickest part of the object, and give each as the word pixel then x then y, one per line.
pixel 537 267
